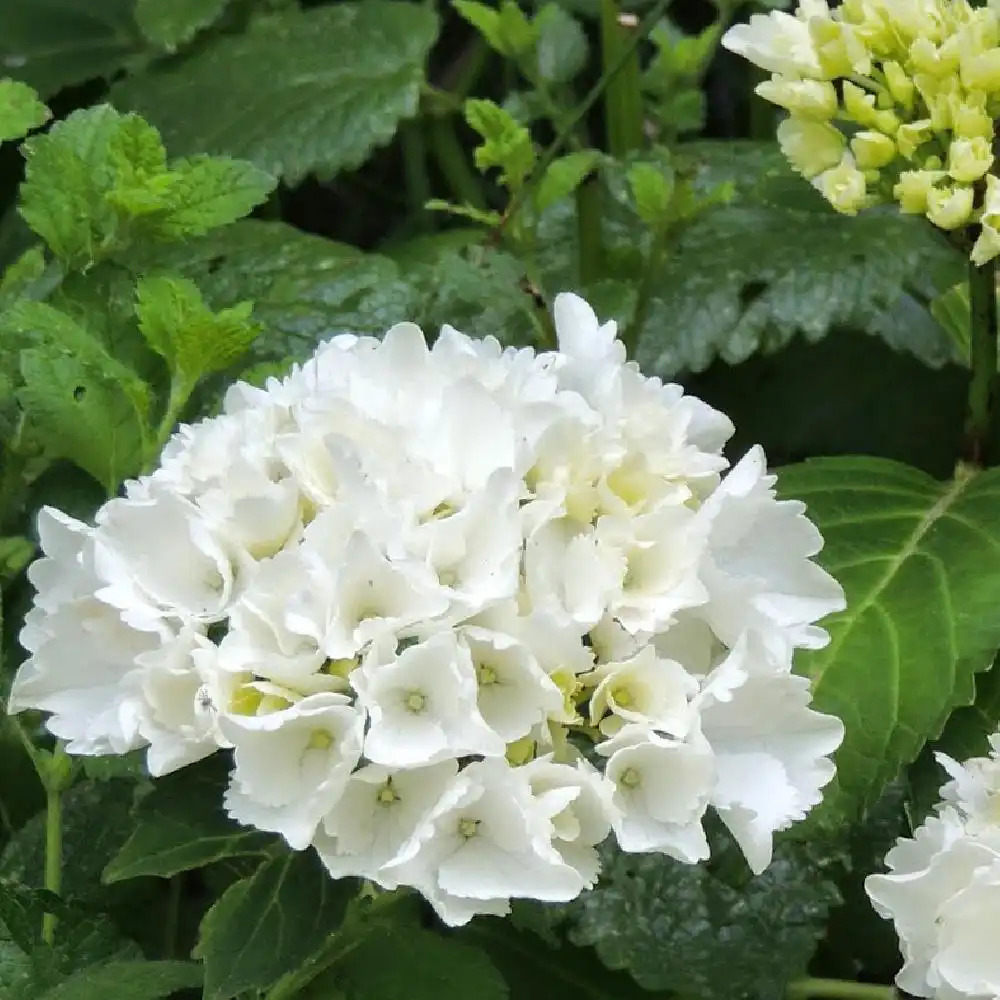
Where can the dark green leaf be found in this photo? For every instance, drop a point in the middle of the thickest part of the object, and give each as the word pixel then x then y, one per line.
pixel 685 928
pixel 126 981
pixel 52 43
pixel 181 825
pixel 171 23
pixel 21 910
pixel 270 924
pixel 317 113
pixel 923 608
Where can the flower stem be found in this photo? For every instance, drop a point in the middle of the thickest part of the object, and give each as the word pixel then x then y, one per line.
pixel 418 183
pixel 982 360
pixel 588 222
pixel 647 286
pixel 53 849
pixel 453 162
pixel 838 989
pixel 623 99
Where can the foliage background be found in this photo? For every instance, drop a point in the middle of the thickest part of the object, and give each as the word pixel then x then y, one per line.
pixel 815 333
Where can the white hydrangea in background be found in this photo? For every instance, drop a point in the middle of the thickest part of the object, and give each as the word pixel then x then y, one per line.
pixel 942 890
pixel 457 612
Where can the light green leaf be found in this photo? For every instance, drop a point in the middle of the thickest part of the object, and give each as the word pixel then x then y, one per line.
pixel 20 110
pixel 192 339
pixel 182 825
pixel 652 189
pixel 317 113
pixel 915 558
pixel 485 217
pixel 563 176
pixel 15 554
pixel 505 28
pixel 271 923
pixel 76 409
pixel 21 275
pixel 126 981
pixel 953 311
pixel 506 143
pixel 52 43
pixel 410 963
pixel 708 932
pixel 172 23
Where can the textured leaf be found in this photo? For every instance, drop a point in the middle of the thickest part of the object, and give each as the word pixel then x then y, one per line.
pixel 192 339
pixel 305 289
pixel 52 43
pixel 923 608
pixel 563 176
pixel 126 981
pixel 182 825
pixel 21 910
pixel 317 112
pixel 171 23
pixel 409 963
pixel 21 275
pixel 685 928
pixel 20 110
pixel 269 924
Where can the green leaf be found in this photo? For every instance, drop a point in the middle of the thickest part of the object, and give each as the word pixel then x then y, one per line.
pixel 506 143
pixel 172 23
pixel 304 288
pixel 20 110
pixel 53 43
pixel 685 928
pixel 182 825
pixel 75 409
pixel 20 276
pixel 271 923
pixel 21 910
pixel 127 981
pixel 923 608
pixel 316 113
pixel 563 176
pixel 653 190
pixel 952 310
pixel 410 963
pixel 192 339
pixel 15 554
pixel 505 28
pixel 562 49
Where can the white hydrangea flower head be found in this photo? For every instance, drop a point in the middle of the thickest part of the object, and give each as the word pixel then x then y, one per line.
pixel 458 613
pixel 942 890
pixel 917 83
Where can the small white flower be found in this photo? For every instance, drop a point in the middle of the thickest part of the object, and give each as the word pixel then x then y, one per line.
pixel 292 765
pixel 776 42
pixel 423 705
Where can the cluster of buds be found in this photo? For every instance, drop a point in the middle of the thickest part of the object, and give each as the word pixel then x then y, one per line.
pixel 888 100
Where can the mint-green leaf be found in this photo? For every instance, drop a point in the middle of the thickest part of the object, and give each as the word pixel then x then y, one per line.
pixel 52 43
pixel 409 963
pixel 172 23
pixel 917 560
pixel 182 825
pixel 21 275
pixel 563 176
pixel 652 189
pixel 269 924
pixel 690 930
pixel 504 27
pixel 317 112
pixel 192 339
pixel 506 143
pixel 15 553
pixel 20 110
pixel 126 981
pixel 208 192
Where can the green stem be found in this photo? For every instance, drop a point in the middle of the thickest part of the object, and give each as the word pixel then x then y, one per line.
pixel 53 848
pixel 838 989
pixel 180 393
pixel 983 361
pixel 588 225
pixel 623 98
pixel 454 163
pixel 171 922
pixel 571 121
pixel 418 182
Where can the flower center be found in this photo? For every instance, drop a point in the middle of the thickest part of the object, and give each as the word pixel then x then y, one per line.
pixel 630 778
pixel 415 702
pixel 468 828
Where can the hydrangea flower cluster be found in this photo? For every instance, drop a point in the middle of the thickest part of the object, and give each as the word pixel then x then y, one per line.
pixel 458 612
pixel 888 100
pixel 942 890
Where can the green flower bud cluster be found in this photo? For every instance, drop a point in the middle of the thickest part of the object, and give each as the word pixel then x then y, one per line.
pixel 888 100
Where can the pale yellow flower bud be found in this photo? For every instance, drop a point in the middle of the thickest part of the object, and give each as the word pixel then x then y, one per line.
pixel 811 147
pixel 926 57
pixel 838 48
pixel 900 85
pixel 969 159
pixel 912 135
pixel 843 186
pixel 988 245
pixel 949 207
pixel 872 150
pixel 982 71
pixel 814 99
pixel 913 187
pixel 859 104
